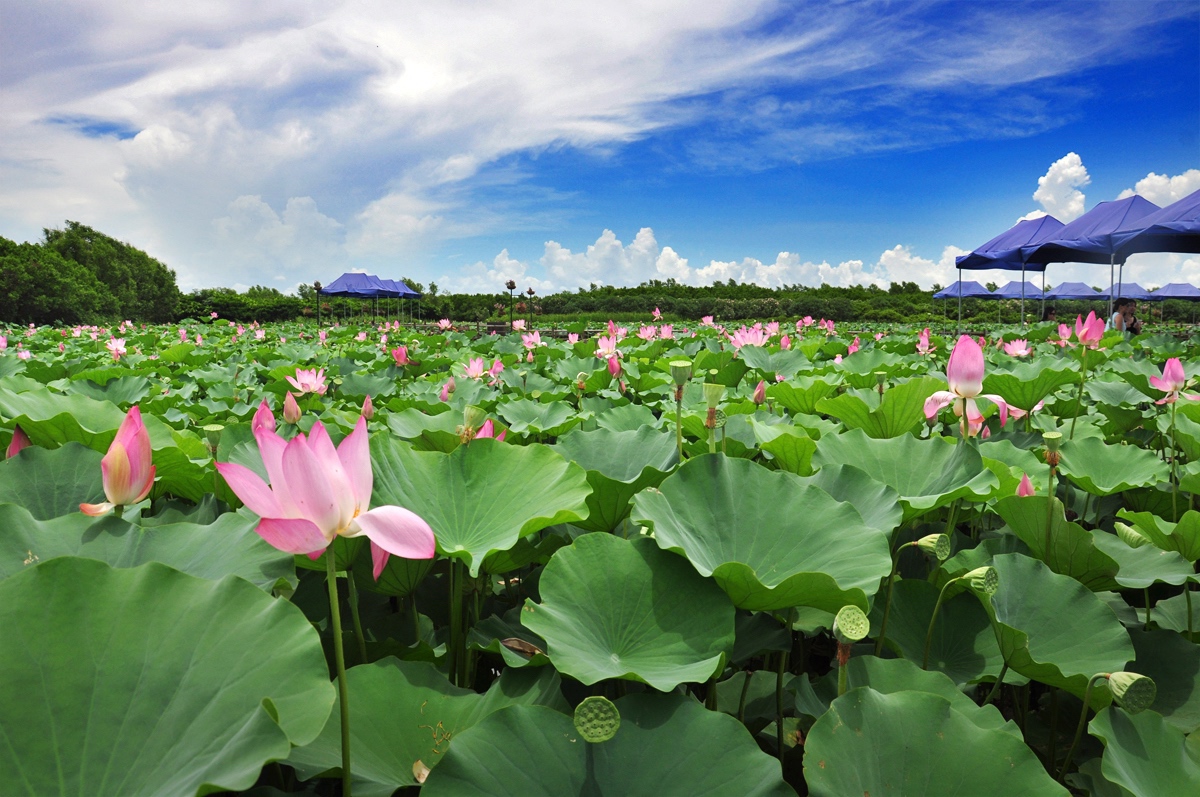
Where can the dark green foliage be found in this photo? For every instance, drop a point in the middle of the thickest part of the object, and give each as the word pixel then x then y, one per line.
pixel 38 285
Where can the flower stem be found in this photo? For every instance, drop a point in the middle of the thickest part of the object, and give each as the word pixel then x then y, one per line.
pixel 1049 515
pixel 1087 695
pixel 1174 481
pixel 932 621
pixel 679 423
pixel 339 659
pixel 1187 599
pixel 355 619
pixel 1146 597
pixel 887 603
pixel 1079 393
pixel 455 622
pixel 741 712
pixel 779 671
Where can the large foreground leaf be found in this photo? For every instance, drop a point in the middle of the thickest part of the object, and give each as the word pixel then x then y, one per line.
pixel 1102 469
pixel 54 482
pixel 150 681
pixel 614 608
pixel 900 409
pixel 915 744
pixel 1146 755
pixel 666 745
pixel 768 539
pixel 619 465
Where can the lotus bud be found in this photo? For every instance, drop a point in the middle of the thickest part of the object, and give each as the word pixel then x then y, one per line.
pixel 1133 692
pixel 681 372
pixel 983 579
pixel 760 392
pixel 1025 488
pixel 368 408
pixel 291 410
pixel 597 719
pixel 20 440
pixel 713 394
pixel 1131 536
pixel 614 366
pixel 937 545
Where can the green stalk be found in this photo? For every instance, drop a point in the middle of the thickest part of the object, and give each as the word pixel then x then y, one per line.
pixel 712 439
pixel 780 669
pixel 1187 599
pixel 741 712
pixel 887 603
pixel 1174 480
pixel 843 679
pixel 455 622
pixel 1079 393
pixel 1146 597
pixel 1087 696
pixel 996 687
pixel 679 424
pixel 339 659
pixel 355 619
pixel 932 621
pixel 1049 513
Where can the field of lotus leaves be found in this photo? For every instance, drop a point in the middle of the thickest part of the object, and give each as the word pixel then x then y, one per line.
pixel 762 560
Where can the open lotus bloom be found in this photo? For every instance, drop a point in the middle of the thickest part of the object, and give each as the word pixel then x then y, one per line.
pixel 964 372
pixel 126 470
pixel 1018 348
pixel 318 492
pixel 1172 382
pixel 309 381
pixel 1089 332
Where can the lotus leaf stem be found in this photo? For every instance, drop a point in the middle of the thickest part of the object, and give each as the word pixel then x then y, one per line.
pixel 1187 599
pixel 779 671
pixel 1079 392
pixel 1174 479
pixel 1087 695
pixel 741 711
pixel 932 620
pixel 996 687
pixel 455 622
pixel 887 603
pixel 1052 739
pixel 339 659
pixel 679 423
pixel 355 619
pixel 1146 597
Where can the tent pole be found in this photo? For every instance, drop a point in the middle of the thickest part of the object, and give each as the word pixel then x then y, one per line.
pixel 1043 293
pixel 960 301
pixel 1022 296
pixel 1111 286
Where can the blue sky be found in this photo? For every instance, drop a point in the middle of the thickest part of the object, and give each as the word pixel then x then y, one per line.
pixel 561 143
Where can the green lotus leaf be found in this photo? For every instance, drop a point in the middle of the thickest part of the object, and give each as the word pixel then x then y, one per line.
pixel 400 576
pixel 1053 629
pixel 926 473
pixel 1018 459
pixel 878 504
pixel 786 362
pixel 374 385
pixel 1183 537
pixel 916 743
pixel 531 417
pixel 667 744
pixel 52 482
pixel 788 450
pixel 1143 566
pixel 900 409
pixel 402 712
pixel 1073 551
pixel 1102 469
pixel 1172 613
pixel 124 391
pixel 1114 393
pixel 440 432
pixel 615 608
pixel 859 369
pixel 768 539
pixel 1145 754
pixel 802 394
pixel 1174 664
pixel 150 681
pixel 619 465
pixel 229 546
pixel 508 639
pixel 627 417
pixel 481 497
pixel 1138 373
pixel 1025 384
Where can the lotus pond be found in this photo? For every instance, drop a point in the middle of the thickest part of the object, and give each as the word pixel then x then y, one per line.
pixel 753 561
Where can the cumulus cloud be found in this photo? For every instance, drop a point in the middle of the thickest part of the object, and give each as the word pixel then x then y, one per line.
pixel 1162 190
pixel 1058 189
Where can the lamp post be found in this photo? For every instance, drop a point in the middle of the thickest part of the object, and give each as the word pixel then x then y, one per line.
pixel 317 288
pixel 529 308
pixel 512 286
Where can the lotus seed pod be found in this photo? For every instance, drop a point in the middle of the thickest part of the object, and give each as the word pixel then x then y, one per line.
pixel 1133 692
pixel 212 432
pixel 880 377
pixel 936 545
pixel 473 417
pixel 719 419
pixel 1131 536
pixel 681 371
pixel 1053 440
pixel 713 394
pixel 597 719
pixel 983 579
pixel 850 625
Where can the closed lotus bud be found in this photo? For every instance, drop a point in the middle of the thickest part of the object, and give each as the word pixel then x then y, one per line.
pixel 614 366
pixel 1133 692
pixel 713 394
pixel 1131 536
pixel 760 392
pixel 368 408
pixel 937 545
pixel 291 410
pixel 597 719
pixel 851 625
pixel 20 440
pixel 983 579
pixel 1025 488
pixel 681 371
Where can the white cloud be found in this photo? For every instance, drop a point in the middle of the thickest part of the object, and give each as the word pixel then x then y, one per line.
pixel 1058 189
pixel 1163 190
pixel 484 278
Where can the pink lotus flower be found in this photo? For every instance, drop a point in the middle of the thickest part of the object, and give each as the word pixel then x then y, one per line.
pixel 488 430
pixel 259 334
pixel 853 347
pixel 61 348
pixel 606 347
pixel 807 321
pixel 779 377
pixel 474 368
pixel 444 324
pixel 572 338
pixel 199 341
pixel 752 336
pixel 1018 413
pixel 648 332
pixel 24 354
pixel 878 336
pixel 1172 382
pixel 1025 488
pixel 368 408
pixel 318 493
pixel 1089 332
pixel 1018 348
pixel 518 324
pixel 785 342
pixel 657 314
pixel 447 389
pixel 291 410
pixel 183 335
pixel 241 330
pixel 360 337
pixel 213 314
pixel 614 366
pixel 760 392
pixel 837 360
pixel 126 470
pixel 706 321
pixel 964 372
pixel 666 332
pixel 400 355
pixel 322 336
pixel 923 347
pixel 310 381
pixel 19 441
pixel 772 328
pixel 531 340
pixel 496 368
pixel 116 347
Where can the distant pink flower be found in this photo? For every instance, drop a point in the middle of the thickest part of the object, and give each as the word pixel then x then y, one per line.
pixel 531 340
pixel 496 368
pixel 199 340
pixel 241 330
pixel 447 389
pixel 666 332
pixel 318 493
pixel 572 338
pixel 648 332
pixel 19 441
pixel 25 354
pixel 291 410
pixel 360 337
pixel 474 368
pixel 614 366
pixel 213 314
pixel 779 377
pixel 760 392
pixel 923 347
pixel 1025 488
pixel 964 372
pixel 3 342
pixel 322 336
pixel 657 314
pixel 772 328
pixel 837 359
pixel 61 348
pixel 518 324
pixel 309 381
pixel 1172 382
pixel 878 336
pixel 706 321
pixel 752 336
pixel 127 470
pixel 1064 336
pixel 116 347
pixel 785 342
pixel 400 355
pixel 259 334
pixel 183 334
pixel 853 347
pixel 807 321
pixel 444 324
pixel 1018 348
pixel 1089 332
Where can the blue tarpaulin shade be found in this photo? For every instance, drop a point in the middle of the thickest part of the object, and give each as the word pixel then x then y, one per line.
pixel 963 290
pixel 1175 228
pixel 356 284
pixel 1127 290
pixel 1177 290
pixel 1004 251
pixel 1015 290
pixel 1075 290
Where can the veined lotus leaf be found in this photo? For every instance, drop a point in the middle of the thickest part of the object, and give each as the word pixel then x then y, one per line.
pixel 769 540
pixel 916 743
pixel 1138 373
pixel 900 409
pixel 859 369
pixel 1186 434
pixel 1145 754
pixel 400 576
pixel 52 482
pixel 1072 549
pixel 1183 537
pixel 440 432
pixel 789 447
pixel 926 473
pixel 619 465
pixel 878 504
pixel 1089 778
pixel 1140 567
pixel 374 385
pixel 531 417
pixel 1102 469
pixel 787 362
pixel 1172 613
pixel 124 391
pixel 175 686
pixel 1016 458
pixel 1053 629
pixel 481 497
pixel 226 547
pixel 1114 393
pixel 615 608
pixel 1174 664
pixel 507 638
pixel 628 417
pixel 402 712
pixel 667 744
pixel 1025 384
pixel 802 394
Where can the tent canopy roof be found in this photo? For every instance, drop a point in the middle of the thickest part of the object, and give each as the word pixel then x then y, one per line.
pixel 1089 239
pixel 1074 290
pixel 968 288
pixel 357 284
pixel 1004 251
pixel 1175 228
pixel 1178 290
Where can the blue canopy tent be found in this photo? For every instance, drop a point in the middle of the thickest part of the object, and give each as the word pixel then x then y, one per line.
pixel 1176 290
pixel 1005 251
pixel 1015 290
pixel 360 285
pixel 1175 228
pixel 1090 238
pixel 1128 290
pixel 1074 290
pixel 969 289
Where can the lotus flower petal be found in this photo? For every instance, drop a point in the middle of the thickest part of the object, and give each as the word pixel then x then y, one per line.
pixel 249 487
pixel 293 535
pixel 397 531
